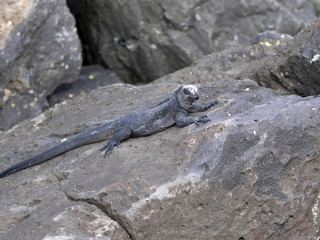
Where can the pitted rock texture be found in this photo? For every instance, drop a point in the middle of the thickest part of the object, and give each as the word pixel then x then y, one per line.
pixel 39 50
pixel 293 67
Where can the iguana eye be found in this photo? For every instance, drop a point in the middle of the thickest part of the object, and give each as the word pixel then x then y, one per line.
pixel 185 91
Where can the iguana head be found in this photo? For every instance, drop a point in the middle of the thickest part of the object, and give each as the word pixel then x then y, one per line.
pixel 187 95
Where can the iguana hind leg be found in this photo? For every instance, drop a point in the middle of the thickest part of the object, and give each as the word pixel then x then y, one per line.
pixel 122 133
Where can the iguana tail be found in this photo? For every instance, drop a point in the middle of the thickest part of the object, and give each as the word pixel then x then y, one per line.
pixel 95 135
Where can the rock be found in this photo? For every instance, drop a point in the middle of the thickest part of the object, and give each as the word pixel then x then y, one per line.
pixel 144 40
pixel 293 68
pixel 90 77
pixel 250 173
pixel 276 60
pixel 39 50
pixel 231 62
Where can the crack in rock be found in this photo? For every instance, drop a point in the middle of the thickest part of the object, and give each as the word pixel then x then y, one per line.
pixel 105 208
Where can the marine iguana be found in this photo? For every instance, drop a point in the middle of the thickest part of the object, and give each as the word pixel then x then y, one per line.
pixel 173 110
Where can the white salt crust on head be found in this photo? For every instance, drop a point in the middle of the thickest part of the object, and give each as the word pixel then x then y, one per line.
pixel 193 89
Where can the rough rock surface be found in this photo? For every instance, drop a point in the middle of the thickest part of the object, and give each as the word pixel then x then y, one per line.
pixel 144 40
pixel 39 50
pixel 251 173
pixel 275 60
pixel 294 67
pixel 231 62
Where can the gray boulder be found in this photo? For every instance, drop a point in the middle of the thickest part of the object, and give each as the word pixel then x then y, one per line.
pixel 233 62
pixel 144 40
pixel 294 67
pixel 250 173
pixel 275 60
pixel 39 50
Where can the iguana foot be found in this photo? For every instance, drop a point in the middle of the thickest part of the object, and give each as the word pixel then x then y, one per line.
pixel 211 104
pixel 203 119
pixel 109 146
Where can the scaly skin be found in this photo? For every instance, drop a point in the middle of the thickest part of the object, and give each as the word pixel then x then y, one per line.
pixel 171 111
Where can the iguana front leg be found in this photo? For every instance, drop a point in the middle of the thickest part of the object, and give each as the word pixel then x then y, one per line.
pixel 197 108
pixel 183 120
pixel 122 133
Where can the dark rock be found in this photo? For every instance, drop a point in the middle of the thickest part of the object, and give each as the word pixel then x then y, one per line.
pixel 294 67
pixel 275 60
pixel 316 5
pixel 231 62
pixel 90 77
pixel 39 50
pixel 251 173
pixel 142 41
